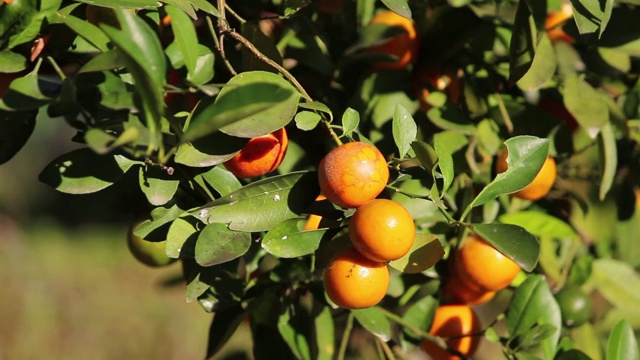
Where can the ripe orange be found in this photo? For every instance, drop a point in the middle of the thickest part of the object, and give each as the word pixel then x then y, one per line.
pixel 354 282
pixel 479 265
pixel 352 174
pixel 261 155
pixel 541 184
pixel 554 22
pixel 403 46
pixel 314 220
pixel 382 230
pixel 458 292
pixel 428 78
pixel 453 321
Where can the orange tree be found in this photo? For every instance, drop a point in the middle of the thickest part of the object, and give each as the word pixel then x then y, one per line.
pixel 173 90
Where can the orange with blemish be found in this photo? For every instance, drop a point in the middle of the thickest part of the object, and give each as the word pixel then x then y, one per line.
pixel 352 174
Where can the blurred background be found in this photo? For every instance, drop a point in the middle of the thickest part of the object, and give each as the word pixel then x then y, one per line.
pixel 70 287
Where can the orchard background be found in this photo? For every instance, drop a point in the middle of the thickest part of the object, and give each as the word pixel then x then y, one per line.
pixel 130 109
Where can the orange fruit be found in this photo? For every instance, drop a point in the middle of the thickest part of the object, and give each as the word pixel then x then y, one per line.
pixel 480 265
pixel 261 155
pixel 453 321
pixel 353 281
pixel 404 46
pixel 458 292
pixel 541 184
pixel 313 222
pixel 382 230
pixel 352 174
pixel 554 22
pixel 429 78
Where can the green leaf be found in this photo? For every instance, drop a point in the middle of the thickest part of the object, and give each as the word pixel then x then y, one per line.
pixel 350 121
pixel 404 130
pixel 445 144
pixel 542 68
pixel 292 328
pixel 182 237
pixel 15 129
pixel 513 241
pixel 527 154
pixel 420 315
pixel 224 325
pixel 156 228
pixel 585 104
pixel 11 62
pixel 426 154
pixel 103 143
pixel 617 282
pixel 533 305
pixel 131 4
pixel 315 105
pixel 221 180
pixel 324 331
pixel 523 42
pixel 286 240
pixel 86 30
pixel 268 202
pixel 425 252
pixel 251 104
pixel 112 59
pixel 216 244
pixel 210 150
pixel 540 224
pixel 307 120
pixel 206 7
pixel 609 156
pixel 157 184
pixel 449 118
pixel 25 94
pixel 622 343
pixel 82 171
pixel 374 321
pixel 184 36
pixel 401 7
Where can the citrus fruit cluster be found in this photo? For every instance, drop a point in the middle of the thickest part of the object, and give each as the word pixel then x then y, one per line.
pixel 476 272
pixel 458 323
pixel 352 176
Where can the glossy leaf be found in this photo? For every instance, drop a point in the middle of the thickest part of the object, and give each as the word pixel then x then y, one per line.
pixel 350 121
pixel 155 228
pixel 404 130
pixel 11 62
pixel 542 68
pixel 374 321
pixel 540 224
pixel 425 252
pixel 533 305
pixel 445 144
pixel 83 171
pixel 527 154
pixel 270 201
pixel 157 184
pixel 513 241
pixel 249 105
pixel 184 36
pixel 210 150
pixel 182 237
pixel 88 31
pixel 221 180
pixel 286 240
pixel 217 244
pixel 307 120
pixel 15 129
pixel 622 343
pixel 25 93
pixel 401 7
pixel 109 60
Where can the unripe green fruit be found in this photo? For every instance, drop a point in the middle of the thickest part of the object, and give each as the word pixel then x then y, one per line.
pixel 150 253
pixel 576 306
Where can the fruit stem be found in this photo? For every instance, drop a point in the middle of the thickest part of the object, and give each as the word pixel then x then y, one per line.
pixel 437 340
pixel 385 347
pixel 345 336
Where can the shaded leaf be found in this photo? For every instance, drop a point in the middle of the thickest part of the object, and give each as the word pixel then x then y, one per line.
pixel 217 244
pixel 401 7
pixel 374 321
pixel 185 36
pixel 425 252
pixel 513 241
pixel 15 129
pixel 286 240
pixel 224 325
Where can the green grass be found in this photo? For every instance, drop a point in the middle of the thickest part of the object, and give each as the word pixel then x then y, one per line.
pixel 81 295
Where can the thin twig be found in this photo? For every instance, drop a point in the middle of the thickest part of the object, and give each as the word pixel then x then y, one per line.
pixel 235 14
pixel 387 350
pixel 345 337
pixel 505 114
pixel 220 49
